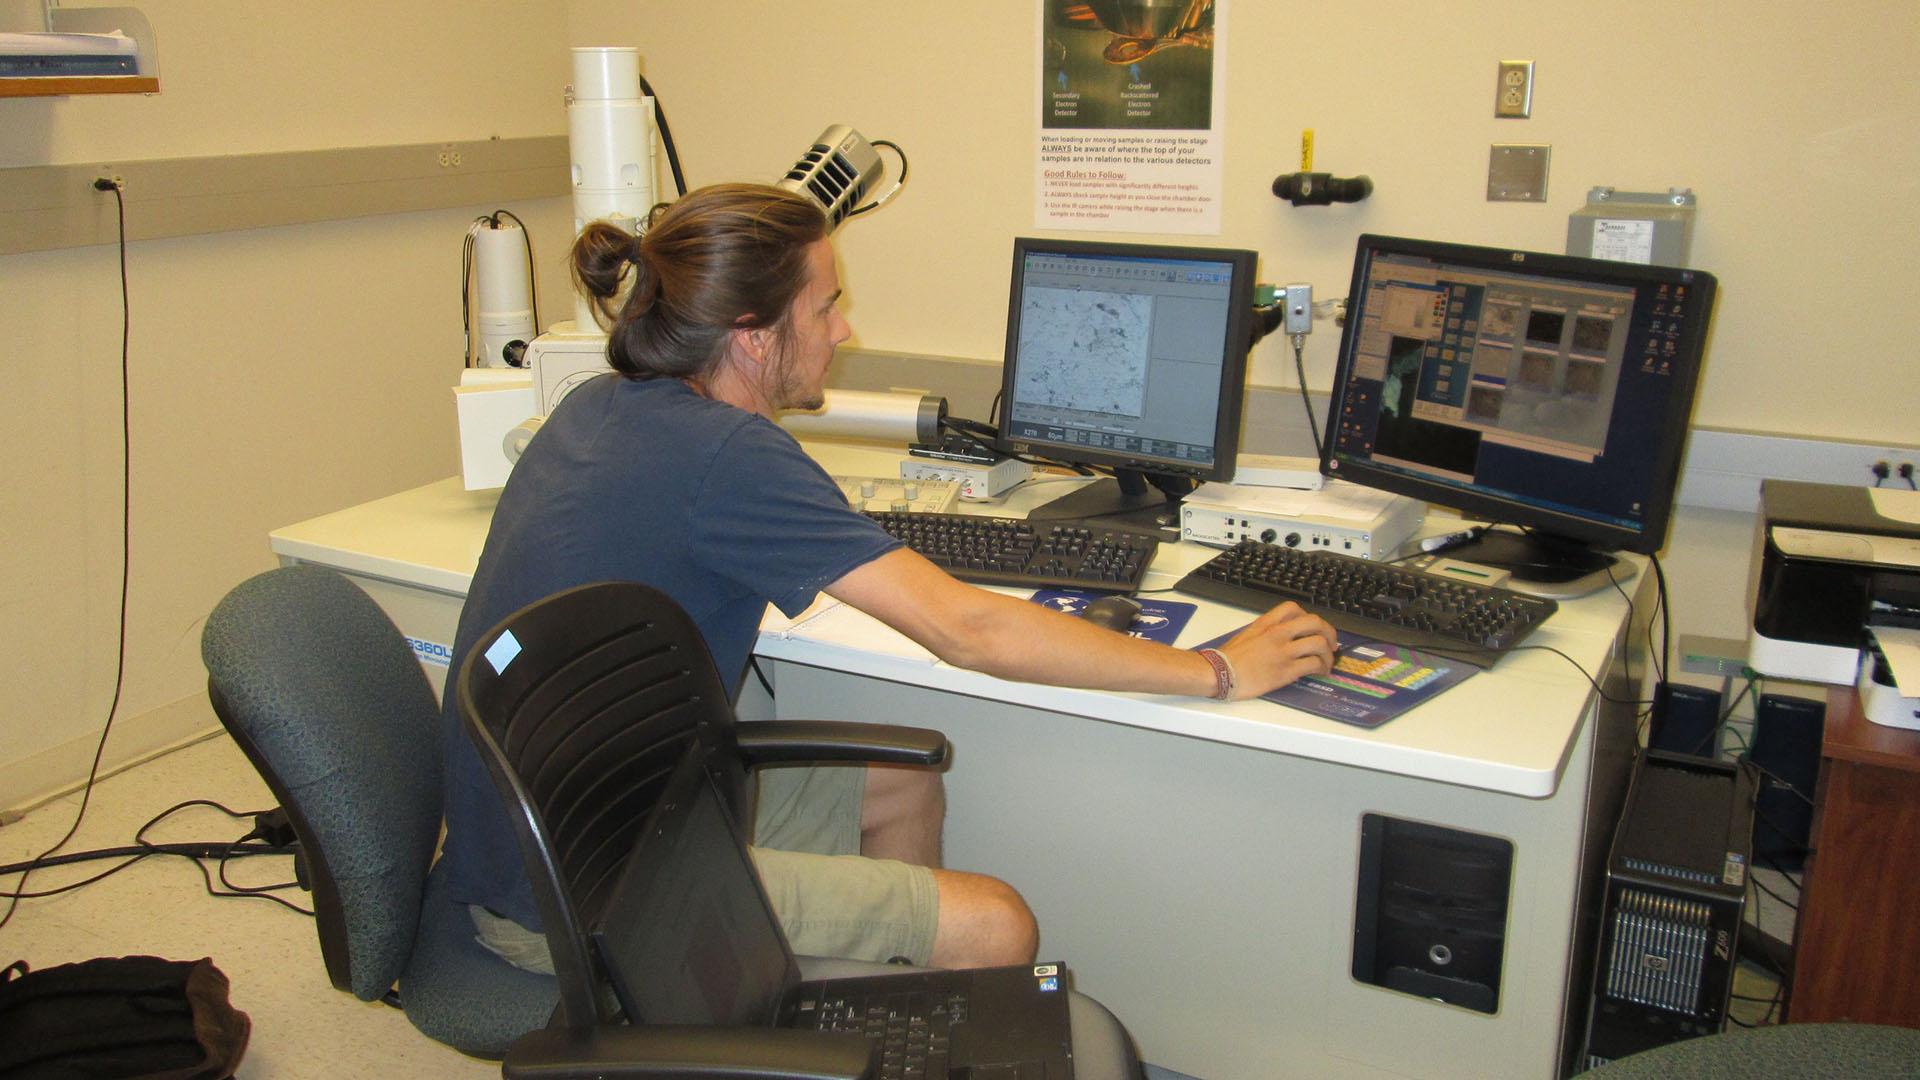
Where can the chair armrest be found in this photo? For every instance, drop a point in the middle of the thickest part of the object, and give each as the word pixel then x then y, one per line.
pixel 672 1052
pixel 785 742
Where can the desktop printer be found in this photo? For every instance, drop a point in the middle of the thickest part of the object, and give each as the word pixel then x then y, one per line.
pixel 1830 563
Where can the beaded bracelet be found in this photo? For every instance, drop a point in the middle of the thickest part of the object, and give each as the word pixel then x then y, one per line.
pixel 1222 673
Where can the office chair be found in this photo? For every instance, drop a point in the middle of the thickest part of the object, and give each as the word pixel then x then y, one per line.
pixel 1863 1051
pixel 330 705
pixel 583 705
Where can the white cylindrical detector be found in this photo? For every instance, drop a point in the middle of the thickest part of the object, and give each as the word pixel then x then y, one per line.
pixel 610 139
pixel 505 296
pixel 897 416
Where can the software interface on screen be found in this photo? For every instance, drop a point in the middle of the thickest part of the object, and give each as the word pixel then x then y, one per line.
pixel 1554 393
pixel 1120 355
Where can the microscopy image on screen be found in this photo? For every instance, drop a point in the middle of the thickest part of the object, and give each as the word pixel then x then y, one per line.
pixel 1499 320
pixel 1545 326
pixel 1483 404
pixel 1585 378
pixel 1592 334
pixel 1536 372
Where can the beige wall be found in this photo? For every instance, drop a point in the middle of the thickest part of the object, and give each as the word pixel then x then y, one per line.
pixel 285 372
pixel 275 373
pixel 1791 123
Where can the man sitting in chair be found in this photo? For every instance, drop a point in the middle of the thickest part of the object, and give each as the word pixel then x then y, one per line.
pixel 671 472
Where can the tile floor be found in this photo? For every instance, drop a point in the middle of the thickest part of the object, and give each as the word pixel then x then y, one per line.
pixel 302 1027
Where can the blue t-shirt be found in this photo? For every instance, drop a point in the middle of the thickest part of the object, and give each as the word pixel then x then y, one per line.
pixel 649 482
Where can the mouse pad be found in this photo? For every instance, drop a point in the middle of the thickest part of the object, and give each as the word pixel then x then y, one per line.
pixel 1371 682
pixel 1159 620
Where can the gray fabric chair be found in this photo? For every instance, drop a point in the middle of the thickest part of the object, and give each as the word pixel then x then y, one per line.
pixel 329 703
pixel 1852 1051
pixel 591 708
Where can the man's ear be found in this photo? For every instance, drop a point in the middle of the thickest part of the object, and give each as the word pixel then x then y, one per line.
pixel 753 345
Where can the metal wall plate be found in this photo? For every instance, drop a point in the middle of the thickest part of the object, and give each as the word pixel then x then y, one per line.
pixel 1517 172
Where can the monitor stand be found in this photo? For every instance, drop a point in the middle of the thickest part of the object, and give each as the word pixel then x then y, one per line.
pixel 1540 564
pixel 1133 501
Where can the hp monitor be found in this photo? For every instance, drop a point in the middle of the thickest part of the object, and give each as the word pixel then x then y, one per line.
pixel 1548 393
pixel 1128 357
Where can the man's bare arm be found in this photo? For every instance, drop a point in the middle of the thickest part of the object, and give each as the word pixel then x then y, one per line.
pixel 1015 639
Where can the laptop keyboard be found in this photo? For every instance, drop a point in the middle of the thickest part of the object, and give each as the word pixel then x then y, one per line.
pixel 911 1029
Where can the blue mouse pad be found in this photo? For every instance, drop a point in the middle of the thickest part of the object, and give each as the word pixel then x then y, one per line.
pixel 1159 620
pixel 1371 682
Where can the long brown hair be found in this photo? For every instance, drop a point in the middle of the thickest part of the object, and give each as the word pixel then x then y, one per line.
pixel 725 257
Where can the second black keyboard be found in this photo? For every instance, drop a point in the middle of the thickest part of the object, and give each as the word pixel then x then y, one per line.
pixel 1021 553
pixel 1388 603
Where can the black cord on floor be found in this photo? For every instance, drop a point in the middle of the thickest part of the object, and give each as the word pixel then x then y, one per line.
pixel 126 546
pixel 142 849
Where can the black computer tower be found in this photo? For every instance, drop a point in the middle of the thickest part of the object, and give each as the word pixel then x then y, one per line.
pixel 1670 924
pixel 1430 917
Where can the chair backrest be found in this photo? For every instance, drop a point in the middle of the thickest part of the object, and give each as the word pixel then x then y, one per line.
pixel 582 705
pixel 329 703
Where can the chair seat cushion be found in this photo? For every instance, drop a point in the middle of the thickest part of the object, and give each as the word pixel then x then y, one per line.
pixel 1824 1050
pixel 458 992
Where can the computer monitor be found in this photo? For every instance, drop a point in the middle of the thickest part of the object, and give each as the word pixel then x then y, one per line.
pixel 1545 392
pixel 1130 357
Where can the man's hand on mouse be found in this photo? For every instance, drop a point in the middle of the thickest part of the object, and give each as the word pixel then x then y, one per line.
pixel 1280 646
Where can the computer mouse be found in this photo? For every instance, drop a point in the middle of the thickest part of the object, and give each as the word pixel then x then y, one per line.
pixel 1113 612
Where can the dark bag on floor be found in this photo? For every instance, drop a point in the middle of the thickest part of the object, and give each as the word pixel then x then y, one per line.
pixel 120 1017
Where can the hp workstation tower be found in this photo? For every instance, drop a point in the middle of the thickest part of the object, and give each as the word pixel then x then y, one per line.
pixel 1676 886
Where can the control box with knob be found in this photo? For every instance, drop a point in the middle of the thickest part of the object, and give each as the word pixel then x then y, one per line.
pixel 1375 537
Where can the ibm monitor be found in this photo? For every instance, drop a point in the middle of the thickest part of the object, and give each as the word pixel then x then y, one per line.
pixel 1548 393
pixel 1129 357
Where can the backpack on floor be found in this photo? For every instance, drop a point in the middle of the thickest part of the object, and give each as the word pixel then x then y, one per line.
pixel 119 1017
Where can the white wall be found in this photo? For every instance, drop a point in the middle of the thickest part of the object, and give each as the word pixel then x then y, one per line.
pixel 275 373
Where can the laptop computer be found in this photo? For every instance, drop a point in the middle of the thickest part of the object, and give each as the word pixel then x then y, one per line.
pixel 690 938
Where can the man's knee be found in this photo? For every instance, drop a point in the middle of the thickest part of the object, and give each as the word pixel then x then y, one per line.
pixel 982 922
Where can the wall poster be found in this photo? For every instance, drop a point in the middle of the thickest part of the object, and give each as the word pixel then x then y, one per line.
pixel 1131 113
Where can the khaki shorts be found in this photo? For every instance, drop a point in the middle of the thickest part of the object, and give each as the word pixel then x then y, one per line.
pixel 831 901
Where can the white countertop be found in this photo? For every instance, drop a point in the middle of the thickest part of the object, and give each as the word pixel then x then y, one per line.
pixel 1508 729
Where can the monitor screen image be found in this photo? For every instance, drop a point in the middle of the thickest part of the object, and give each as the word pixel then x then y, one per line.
pixel 1130 357
pixel 1546 392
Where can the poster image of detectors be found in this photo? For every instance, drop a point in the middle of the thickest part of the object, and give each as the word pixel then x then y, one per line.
pixel 1128 65
pixel 1085 351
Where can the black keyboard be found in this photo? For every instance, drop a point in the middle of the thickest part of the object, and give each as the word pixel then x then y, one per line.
pixel 1021 553
pixel 911 1029
pixel 1388 603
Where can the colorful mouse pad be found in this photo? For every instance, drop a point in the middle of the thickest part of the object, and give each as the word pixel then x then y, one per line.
pixel 1371 682
pixel 1159 620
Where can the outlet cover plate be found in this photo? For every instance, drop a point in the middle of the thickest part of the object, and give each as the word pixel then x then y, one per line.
pixel 1513 93
pixel 1517 172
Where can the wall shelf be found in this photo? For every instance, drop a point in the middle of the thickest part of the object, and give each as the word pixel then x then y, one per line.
pixel 60 86
pixel 103 20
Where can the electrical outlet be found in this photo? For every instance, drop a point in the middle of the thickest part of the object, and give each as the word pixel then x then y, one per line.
pixel 1513 97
